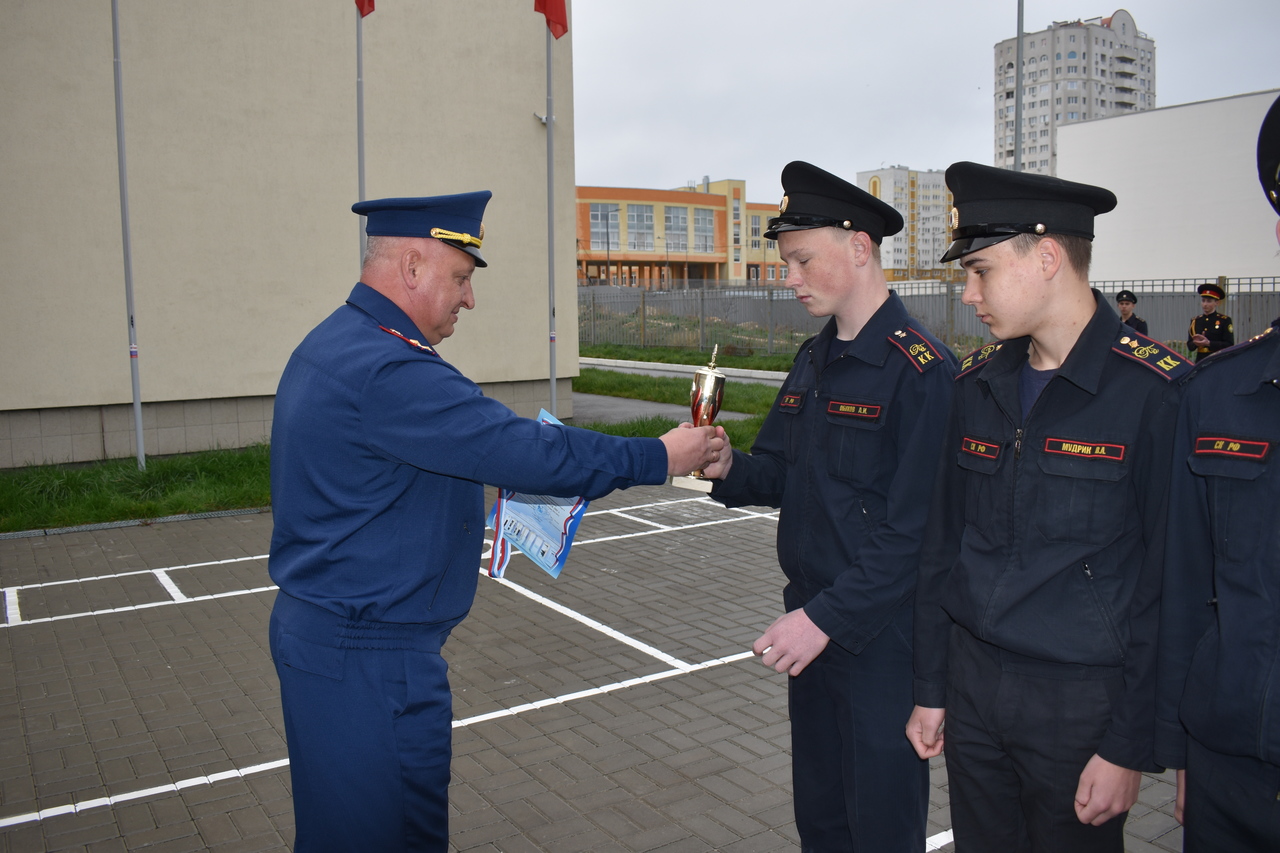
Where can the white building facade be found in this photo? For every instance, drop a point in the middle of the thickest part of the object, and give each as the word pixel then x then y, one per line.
pixel 1072 71
pixel 923 200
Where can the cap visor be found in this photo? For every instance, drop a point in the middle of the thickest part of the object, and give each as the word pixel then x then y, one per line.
pixel 969 245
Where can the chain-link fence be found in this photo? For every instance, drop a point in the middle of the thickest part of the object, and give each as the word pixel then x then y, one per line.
pixel 749 317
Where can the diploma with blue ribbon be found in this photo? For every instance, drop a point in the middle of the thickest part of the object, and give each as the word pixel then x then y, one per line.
pixel 540 526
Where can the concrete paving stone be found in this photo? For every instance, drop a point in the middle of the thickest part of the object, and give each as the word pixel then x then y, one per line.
pixel 1150 826
pixel 23 839
pixel 653 839
pixel 766 841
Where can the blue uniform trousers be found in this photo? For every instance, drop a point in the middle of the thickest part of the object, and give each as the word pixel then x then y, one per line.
pixel 1232 803
pixel 1019 732
pixel 367 714
pixel 858 783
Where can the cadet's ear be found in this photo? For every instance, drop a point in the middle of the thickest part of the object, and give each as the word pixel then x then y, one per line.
pixel 1050 256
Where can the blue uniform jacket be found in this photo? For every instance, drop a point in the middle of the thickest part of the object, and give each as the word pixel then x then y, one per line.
pixel 379 453
pixel 848 454
pixel 1046 535
pixel 1220 618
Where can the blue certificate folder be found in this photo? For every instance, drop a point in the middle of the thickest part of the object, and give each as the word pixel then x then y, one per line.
pixel 540 526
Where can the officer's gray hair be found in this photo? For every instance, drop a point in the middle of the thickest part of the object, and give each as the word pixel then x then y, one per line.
pixel 376 249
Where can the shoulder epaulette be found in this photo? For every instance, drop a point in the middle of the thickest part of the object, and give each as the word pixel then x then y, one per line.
pixel 1270 333
pixel 1150 353
pixel 977 358
pixel 418 345
pixel 916 348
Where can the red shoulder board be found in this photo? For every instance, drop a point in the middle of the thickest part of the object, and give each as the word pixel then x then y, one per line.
pixel 418 345
pixel 1150 353
pixel 916 347
pixel 977 358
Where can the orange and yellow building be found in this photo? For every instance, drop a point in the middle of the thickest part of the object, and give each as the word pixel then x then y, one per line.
pixel 668 239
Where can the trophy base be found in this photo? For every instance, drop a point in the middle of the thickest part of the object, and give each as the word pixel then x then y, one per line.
pixel 693 484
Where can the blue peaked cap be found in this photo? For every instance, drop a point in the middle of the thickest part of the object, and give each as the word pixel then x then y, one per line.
pixel 454 219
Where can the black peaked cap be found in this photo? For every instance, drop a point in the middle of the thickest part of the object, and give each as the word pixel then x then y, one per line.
pixel 993 205
pixel 815 198
pixel 1269 155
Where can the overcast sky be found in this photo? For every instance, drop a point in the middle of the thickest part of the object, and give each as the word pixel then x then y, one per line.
pixel 667 91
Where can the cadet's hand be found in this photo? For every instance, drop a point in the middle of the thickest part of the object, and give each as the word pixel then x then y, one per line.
pixel 1200 340
pixel 1180 804
pixel 924 730
pixel 790 643
pixel 1105 791
pixel 718 470
pixel 690 448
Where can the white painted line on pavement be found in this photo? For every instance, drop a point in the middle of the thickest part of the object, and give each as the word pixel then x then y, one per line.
pixel 598 626
pixel 145 793
pixel 597 691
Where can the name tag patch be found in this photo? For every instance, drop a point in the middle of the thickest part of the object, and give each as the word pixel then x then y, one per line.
pixel 790 401
pixel 1085 449
pixel 1239 448
pixel 854 410
pixel 985 449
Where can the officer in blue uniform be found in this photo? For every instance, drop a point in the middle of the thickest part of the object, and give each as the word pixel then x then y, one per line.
pixel 847 453
pixel 379 452
pixel 1036 607
pixel 1218 714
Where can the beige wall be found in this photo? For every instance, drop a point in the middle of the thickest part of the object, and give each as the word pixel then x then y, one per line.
pixel 241 143
pixel 1186 178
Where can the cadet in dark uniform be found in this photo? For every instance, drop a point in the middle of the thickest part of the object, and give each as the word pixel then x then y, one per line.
pixel 1036 607
pixel 1219 700
pixel 379 452
pixel 847 452
pixel 1211 331
pixel 1125 300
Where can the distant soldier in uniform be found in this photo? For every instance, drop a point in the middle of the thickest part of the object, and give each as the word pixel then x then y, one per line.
pixel 1211 331
pixel 847 453
pixel 1036 607
pixel 1219 685
pixel 1125 301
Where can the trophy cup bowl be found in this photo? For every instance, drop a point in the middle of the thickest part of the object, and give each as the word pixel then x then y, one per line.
pixel 705 396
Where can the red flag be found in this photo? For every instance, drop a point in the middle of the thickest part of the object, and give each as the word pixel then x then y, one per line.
pixel 365 7
pixel 557 17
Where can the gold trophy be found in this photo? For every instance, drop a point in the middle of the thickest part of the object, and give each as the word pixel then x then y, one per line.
pixel 705 396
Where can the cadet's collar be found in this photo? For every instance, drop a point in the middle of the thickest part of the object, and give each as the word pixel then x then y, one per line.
pixel 872 343
pixel 1084 364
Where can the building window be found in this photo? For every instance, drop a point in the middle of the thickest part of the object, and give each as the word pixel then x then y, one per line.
pixel 737 255
pixel 704 229
pixel 769 245
pixel 773 272
pixel 782 272
pixel 605 233
pixel 677 224
pixel 1072 116
pixel 737 210
pixel 640 227
pixel 755 229
pixel 737 234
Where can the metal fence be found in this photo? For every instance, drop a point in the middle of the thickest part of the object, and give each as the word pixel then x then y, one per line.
pixel 750 317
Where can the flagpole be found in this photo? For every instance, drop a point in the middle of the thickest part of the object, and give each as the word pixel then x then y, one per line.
pixel 125 238
pixel 360 119
pixel 551 227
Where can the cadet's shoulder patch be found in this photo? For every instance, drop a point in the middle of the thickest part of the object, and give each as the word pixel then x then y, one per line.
pixel 1150 353
pixel 916 347
pixel 977 358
